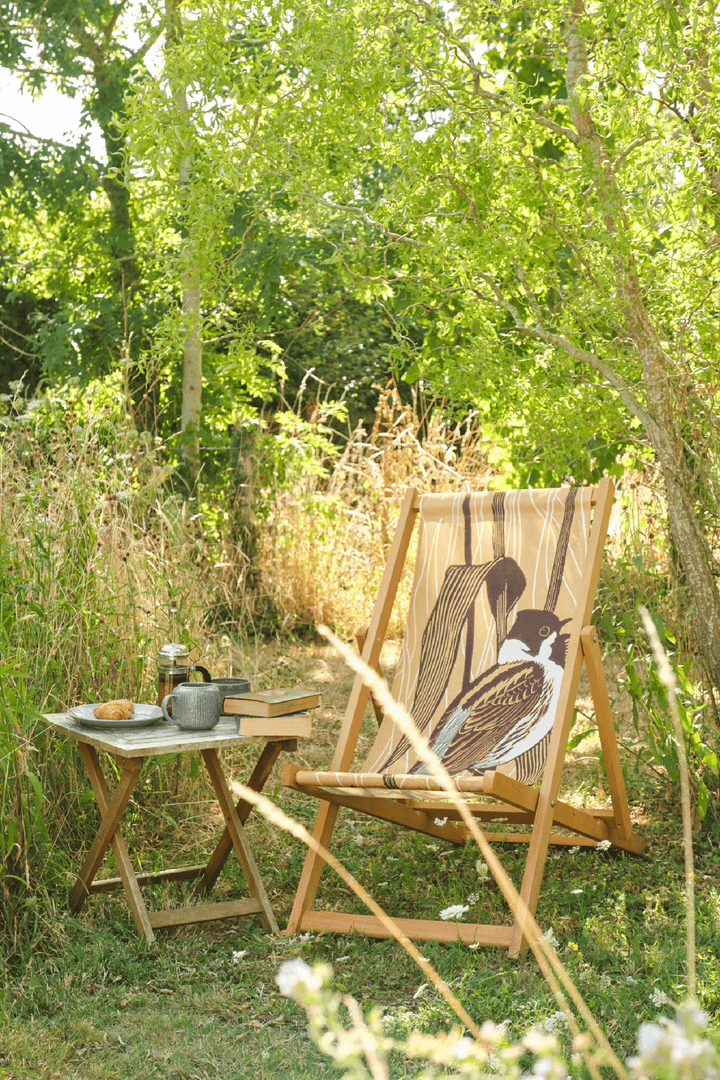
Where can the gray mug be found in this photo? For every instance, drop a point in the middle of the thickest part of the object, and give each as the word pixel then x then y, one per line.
pixel 230 686
pixel 195 706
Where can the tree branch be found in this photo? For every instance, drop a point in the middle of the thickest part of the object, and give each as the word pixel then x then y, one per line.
pixel 539 333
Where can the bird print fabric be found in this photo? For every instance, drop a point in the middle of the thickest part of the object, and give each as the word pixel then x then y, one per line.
pixel 484 652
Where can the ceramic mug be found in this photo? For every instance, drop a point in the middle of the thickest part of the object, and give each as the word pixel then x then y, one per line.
pixel 230 687
pixel 195 706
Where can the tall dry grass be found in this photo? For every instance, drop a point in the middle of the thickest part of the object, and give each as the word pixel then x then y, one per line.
pixel 95 544
pixel 324 546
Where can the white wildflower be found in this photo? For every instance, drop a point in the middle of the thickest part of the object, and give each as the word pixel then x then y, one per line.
pixel 473 898
pixel 549 1068
pixel 604 982
pixel 440 821
pixel 454 911
pixel 482 869
pixel 462 1048
pixel 573 850
pixel 676 1048
pixel 549 936
pixel 475 945
pixel 659 998
pixel 556 1024
pixel 293 972
pixel 576 892
pixel 238 955
pixel 539 1041
pixel 630 981
pixel 604 845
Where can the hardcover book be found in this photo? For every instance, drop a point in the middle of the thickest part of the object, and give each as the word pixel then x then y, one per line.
pixel 293 726
pixel 274 702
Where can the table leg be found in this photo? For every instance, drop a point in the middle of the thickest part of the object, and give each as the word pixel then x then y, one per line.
pixel 263 768
pixel 109 834
pixel 239 838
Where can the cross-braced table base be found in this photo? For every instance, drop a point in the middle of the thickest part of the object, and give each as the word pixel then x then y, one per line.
pixel 112 806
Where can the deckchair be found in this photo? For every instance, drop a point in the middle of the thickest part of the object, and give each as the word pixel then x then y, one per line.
pixel 497 629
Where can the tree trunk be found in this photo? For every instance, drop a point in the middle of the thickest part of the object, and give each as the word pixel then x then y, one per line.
pixel 191 376
pixel 111 83
pixel 191 294
pixel 663 428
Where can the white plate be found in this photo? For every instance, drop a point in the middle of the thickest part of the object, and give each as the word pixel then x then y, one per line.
pixel 143 716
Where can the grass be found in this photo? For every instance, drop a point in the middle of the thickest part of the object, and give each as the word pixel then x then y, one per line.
pixel 91 1001
pixel 84 997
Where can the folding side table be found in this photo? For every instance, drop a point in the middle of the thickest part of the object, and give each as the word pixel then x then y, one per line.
pixel 130 748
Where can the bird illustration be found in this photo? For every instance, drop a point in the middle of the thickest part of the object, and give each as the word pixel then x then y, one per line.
pixel 510 707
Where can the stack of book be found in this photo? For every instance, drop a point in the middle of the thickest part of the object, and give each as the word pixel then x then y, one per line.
pixel 278 712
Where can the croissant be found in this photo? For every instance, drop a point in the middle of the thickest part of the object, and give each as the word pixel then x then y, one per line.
pixel 121 709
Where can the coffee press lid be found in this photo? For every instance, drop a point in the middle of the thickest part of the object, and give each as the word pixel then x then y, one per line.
pixel 174 651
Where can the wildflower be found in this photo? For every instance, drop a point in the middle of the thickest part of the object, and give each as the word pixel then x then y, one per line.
pixel 630 981
pixel 473 898
pixel 574 850
pixel 604 982
pixel 294 972
pixel 440 821
pixel 238 955
pixel 556 1024
pixel 454 911
pixel 576 892
pixel 676 1048
pixel 659 998
pixel 549 936
pixel 540 1042
pixel 603 845
pixel 482 869
pixel 462 1048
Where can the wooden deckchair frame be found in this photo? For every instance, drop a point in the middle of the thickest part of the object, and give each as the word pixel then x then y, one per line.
pixel 519 803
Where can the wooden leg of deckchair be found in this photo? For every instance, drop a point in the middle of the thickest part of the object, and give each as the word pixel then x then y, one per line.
pixel 537 852
pixel 352 721
pixel 606 731
pixel 313 868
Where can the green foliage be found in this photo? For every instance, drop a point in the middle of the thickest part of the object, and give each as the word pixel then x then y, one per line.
pixel 697 714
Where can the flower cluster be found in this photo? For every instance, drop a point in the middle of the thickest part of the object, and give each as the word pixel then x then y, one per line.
pixel 676 1048
pixel 454 911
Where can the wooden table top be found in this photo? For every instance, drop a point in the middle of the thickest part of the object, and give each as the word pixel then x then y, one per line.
pixel 160 737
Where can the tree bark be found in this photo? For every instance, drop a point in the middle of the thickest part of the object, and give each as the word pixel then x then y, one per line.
pixel 663 426
pixel 192 375
pixel 192 372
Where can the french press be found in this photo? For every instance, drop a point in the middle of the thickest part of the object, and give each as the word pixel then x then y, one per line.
pixel 174 667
